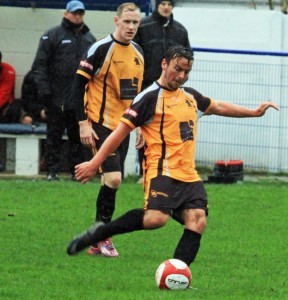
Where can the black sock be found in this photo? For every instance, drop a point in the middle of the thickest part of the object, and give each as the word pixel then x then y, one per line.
pixel 105 204
pixel 130 221
pixel 99 202
pixel 188 246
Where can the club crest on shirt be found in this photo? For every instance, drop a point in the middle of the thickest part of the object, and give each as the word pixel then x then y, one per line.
pixel 136 60
pixel 191 104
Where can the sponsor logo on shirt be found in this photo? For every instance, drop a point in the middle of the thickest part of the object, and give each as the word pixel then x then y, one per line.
pixel 66 41
pixel 171 105
pixel 154 194
pixel 131 112
pixel 85 64
pixel 117 62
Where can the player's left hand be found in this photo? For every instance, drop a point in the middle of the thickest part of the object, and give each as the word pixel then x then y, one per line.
pixel 260 111
pixel 84 172
pixel 140 141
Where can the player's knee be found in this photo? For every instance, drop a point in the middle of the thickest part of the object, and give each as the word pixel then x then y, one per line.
pixel 113 180
pixel 154 220
pixel 201 225
pixel 197 225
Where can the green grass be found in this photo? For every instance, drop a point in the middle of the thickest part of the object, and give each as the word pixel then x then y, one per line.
pixel 243 252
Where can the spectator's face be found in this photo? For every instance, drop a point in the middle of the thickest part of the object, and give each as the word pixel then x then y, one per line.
pixel 165 9
pixel 75 17
pixel 127 25
pixel 176 72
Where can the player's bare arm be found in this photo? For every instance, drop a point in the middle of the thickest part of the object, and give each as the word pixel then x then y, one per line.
pixel 87 170
pixel 228 109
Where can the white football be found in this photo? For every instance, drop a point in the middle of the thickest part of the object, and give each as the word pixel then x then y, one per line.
pixel 173 274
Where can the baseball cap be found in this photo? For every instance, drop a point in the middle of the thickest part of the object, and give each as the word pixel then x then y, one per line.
pixel 75 5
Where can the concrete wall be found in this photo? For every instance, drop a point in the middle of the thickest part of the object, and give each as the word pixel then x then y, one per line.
pixel 242 79
pixel 235 29
pixel 264 30
pixel 21 29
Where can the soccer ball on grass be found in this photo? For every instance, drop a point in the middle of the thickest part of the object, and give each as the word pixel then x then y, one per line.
pixel 173 274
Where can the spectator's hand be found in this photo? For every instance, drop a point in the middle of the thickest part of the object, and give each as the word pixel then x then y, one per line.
pixel 27 120
pixel 43 115
pixel 87 134
pixel 140 141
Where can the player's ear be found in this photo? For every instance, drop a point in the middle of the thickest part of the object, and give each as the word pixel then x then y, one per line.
pixel 164 64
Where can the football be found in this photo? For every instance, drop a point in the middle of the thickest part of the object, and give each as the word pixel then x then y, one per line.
pixel 173 274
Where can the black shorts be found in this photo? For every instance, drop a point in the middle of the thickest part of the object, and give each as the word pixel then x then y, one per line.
pixel 171 196
pixel 115 161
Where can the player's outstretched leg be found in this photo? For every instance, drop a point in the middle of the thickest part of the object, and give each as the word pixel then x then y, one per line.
pixel 132 220
pixel 85 239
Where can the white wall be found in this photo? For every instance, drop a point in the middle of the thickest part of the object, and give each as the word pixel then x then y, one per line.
pixel 235 29
pixel 21 29
pixel 246 29
pixel 258 30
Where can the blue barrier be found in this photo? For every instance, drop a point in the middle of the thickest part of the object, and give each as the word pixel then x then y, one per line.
pixel 15 128
pixel 242 52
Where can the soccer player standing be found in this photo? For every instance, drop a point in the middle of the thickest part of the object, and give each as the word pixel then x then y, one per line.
pixel 109 77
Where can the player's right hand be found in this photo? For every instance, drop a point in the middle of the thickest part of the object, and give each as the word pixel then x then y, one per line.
pixel 87 134
pixel 84 172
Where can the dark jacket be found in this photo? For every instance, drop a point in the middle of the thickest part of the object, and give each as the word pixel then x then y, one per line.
pixel 31 102
pixel 155 35
pixel 57 59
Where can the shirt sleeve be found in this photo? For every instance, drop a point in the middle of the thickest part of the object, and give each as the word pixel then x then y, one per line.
pixel 142 109
pixel 203 102
pixel 91 61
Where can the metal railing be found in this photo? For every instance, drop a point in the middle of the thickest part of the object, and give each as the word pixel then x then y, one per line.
pixel 245 78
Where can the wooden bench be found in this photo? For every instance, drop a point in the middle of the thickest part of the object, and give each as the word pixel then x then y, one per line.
pixel 23 147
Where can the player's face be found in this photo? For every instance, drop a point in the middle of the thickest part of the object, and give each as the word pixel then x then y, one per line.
pixel 127 26
pixel 176 72
pixel 75 17
pixel 165 9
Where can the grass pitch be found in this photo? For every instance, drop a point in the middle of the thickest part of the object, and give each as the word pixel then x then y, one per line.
pixel 243 252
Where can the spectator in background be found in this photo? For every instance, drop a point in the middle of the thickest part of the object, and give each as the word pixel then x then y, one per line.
pixel 59 53
pixel 155 35
pixel 10 110
pixel 33 105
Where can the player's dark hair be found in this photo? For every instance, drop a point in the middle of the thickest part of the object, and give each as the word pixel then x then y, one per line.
pixel 0 56
pixel 179 51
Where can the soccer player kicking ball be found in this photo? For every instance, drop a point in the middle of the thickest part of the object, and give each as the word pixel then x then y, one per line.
pixel 167 113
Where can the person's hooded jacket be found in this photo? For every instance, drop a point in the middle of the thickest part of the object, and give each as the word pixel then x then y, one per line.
pixel 155 35
pixel 57 59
